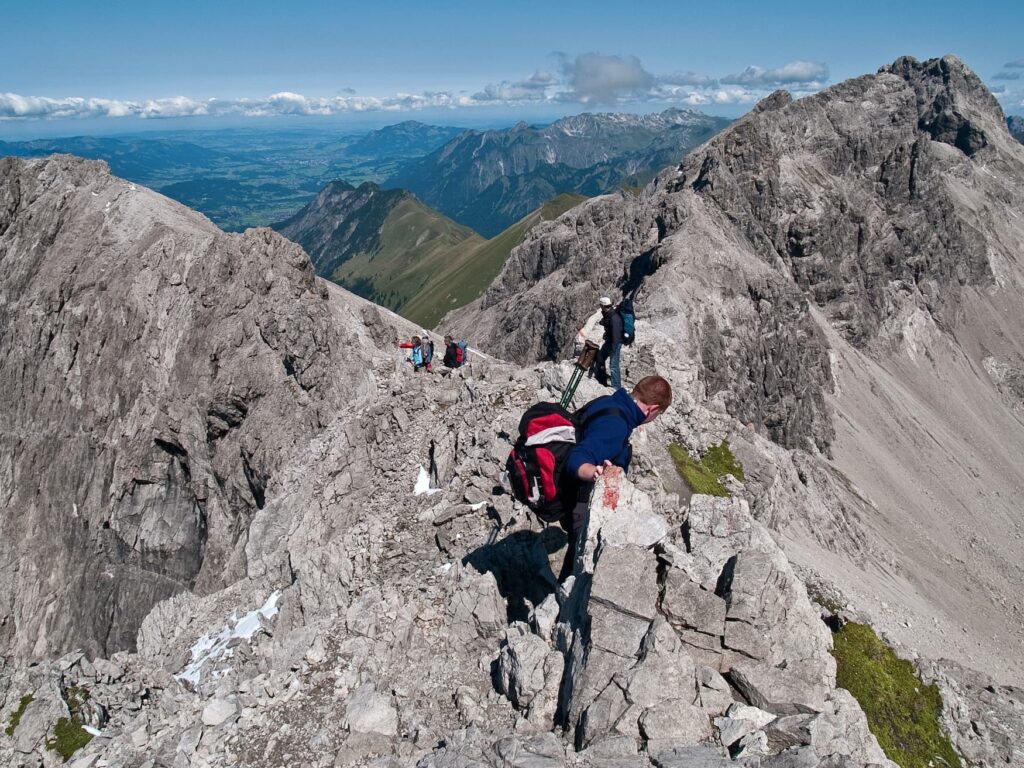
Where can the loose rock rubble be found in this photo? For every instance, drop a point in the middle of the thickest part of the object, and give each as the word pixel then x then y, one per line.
pixel 410 630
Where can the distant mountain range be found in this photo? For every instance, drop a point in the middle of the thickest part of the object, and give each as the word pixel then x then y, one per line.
pixel 1016 125
pixel 488 180
pixel 485 180
pixel 246 177
pixel 386 245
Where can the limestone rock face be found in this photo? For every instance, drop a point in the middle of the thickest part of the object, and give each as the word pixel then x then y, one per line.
pixel 154 375
pixel 985 720
pixel 373 623
pixel 845 207
pixel 841 274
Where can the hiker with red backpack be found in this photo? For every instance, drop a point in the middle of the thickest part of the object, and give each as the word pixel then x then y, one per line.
pixel 558 456
pixel 454 353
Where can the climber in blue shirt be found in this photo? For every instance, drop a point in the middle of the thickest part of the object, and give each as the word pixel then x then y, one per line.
pixel 607 424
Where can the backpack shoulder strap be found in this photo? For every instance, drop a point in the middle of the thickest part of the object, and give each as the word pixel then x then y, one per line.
pixel 584 417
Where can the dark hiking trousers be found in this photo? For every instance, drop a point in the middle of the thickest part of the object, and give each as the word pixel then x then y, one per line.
pixel 573 522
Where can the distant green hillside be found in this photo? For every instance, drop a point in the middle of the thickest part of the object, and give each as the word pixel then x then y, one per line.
pixel 389 247
pixel 413 244
pixel 463 279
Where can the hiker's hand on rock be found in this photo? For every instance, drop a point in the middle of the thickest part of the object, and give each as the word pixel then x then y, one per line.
pixel 588 473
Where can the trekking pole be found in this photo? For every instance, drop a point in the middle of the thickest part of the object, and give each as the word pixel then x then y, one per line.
pixel 583 363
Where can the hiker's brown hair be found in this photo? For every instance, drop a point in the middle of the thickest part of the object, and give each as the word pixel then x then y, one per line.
pixel 653 390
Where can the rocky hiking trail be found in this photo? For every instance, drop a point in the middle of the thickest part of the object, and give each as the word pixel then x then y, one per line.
pixel 842 273
pixel 428 629
pixel 407 622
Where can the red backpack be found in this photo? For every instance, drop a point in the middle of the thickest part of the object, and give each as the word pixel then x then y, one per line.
pixel 547 434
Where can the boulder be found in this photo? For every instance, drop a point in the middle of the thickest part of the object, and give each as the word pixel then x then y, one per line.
pixel 367 711
pixel 786 691
pixel 218 711
pixel 641 527
pixel 530 673
pixel 668 753
pixel 688 606
pixel 676 719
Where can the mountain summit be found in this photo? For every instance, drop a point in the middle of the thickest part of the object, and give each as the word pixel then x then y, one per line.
pixel 842 274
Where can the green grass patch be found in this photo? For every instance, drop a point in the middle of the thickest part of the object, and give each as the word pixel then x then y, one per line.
pixel 702 476
pixel 68 737
pixel 903 713
pixel 16 715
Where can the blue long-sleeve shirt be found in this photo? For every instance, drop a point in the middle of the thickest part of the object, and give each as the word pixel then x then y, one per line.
pixel 606 438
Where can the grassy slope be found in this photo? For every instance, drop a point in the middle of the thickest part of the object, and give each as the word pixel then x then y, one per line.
pixel 466 273
pixel 415 242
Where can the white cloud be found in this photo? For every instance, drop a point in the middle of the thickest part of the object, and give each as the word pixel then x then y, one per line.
pixel 1006 75
pixel 688 78
pixel 16 107
pixel 533 88
pixel 1018 64
pixel 590 78
pixel 804 73
pixel 697 97
pixel 598 79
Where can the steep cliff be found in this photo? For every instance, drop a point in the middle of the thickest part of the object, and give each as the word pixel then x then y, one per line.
pixel 843 274
pixel 154 375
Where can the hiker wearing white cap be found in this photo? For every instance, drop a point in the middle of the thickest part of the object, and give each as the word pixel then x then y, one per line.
pixel 611 321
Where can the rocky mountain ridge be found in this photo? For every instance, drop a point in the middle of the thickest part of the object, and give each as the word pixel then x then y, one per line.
pixel 364 591
pixel 341 222
pixel 323 572
pixel 159 352
pixel 845 271
pixel 487 180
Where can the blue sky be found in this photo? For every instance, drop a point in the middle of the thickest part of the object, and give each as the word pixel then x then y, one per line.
pixel 118 66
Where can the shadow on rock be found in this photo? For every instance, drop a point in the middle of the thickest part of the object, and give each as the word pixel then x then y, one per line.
pixel 520 564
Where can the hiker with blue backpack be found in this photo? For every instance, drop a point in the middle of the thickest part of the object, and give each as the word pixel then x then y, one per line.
pixel 421 351
pixel 558 456
pixel 617 322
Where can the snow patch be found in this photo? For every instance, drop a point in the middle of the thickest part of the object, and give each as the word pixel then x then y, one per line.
pixel 999 267
pixel 423 484
pixel 88 728
pixel 219 646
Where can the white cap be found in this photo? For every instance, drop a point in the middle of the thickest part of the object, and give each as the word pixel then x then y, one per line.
pixel 604 301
